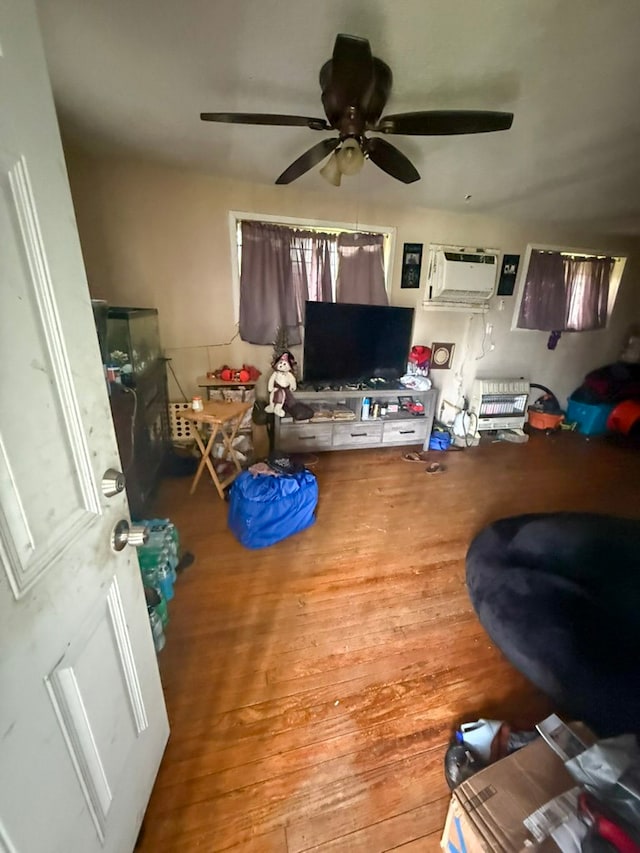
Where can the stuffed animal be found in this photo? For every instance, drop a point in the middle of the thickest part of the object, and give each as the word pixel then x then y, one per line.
pixel 248 373
pixel 419 360
pixel 282 383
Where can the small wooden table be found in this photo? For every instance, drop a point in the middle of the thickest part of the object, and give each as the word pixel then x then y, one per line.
pixel 224 418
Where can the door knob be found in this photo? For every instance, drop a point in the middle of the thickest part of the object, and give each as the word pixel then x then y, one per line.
pixel 113 482
pixel 126 534
pixel 138 535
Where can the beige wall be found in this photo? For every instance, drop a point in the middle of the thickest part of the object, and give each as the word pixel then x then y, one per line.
pixel 156 236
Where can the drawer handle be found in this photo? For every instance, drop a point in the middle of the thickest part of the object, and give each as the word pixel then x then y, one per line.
pixel 406 431
pixel 359 434
pixel 306 437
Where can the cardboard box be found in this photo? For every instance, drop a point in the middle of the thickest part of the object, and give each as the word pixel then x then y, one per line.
pixel 487 812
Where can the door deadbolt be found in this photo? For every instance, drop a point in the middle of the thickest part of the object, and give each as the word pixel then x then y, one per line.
pixel 113 482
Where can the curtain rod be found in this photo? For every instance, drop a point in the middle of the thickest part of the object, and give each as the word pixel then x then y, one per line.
pixel 587 257
pixel 576 255
pixel 314 228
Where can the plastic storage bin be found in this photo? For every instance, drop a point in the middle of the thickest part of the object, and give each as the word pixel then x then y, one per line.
pixel 625 417
pixel 590 417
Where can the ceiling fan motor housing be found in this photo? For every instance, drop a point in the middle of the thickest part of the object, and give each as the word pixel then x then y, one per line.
pixel 352 112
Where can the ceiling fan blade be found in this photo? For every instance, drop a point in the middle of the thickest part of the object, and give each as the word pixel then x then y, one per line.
pixel 445 122
pixel 392 161
pixel 308 160
pixel 268 119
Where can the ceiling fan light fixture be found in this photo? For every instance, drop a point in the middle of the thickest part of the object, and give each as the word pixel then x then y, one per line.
pixel 331 171
pixel 350 157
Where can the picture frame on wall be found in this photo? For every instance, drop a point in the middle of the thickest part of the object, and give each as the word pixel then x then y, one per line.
pixel 442 355
pixel 508 273
pixel 411 265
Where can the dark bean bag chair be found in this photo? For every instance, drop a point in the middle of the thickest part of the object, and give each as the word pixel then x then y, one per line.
pixel 559 594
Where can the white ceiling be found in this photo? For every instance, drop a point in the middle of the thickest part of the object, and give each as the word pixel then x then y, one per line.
pixel 134 75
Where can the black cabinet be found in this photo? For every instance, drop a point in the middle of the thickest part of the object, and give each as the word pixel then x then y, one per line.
pixel 139 404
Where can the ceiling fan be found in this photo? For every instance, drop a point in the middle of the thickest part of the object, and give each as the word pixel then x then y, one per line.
pixel 355 88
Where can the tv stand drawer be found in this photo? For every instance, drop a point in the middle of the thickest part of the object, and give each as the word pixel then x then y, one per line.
pixel 357 434
pixel 404 431
pixel 299 438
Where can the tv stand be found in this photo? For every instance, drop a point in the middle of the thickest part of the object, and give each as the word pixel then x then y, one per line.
pixel 347 430
pixel 366 385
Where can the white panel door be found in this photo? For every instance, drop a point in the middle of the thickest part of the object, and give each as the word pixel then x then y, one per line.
pixel 82 717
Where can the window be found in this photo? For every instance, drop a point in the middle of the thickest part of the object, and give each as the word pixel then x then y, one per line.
pixel 278 263
pixel 566 290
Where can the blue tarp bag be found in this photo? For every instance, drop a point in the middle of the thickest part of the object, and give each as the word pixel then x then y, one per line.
pixel 264 510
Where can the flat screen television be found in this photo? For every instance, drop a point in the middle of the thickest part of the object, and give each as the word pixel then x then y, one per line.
pixel 353 343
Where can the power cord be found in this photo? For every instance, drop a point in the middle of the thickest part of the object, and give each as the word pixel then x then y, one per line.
pixel 133 425
pixel 468 435
pixel 228 343
pixel 177 381
pixel 484 338
pixel 208 346
pixel 487 332
pixel 211 346
pixel 473 433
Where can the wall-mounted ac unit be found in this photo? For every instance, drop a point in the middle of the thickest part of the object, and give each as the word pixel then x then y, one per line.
pixel 460 278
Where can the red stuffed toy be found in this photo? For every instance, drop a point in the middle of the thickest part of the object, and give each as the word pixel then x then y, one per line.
pixel 420 356
pixel 247 373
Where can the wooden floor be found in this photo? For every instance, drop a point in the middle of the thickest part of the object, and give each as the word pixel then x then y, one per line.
pixel 312 686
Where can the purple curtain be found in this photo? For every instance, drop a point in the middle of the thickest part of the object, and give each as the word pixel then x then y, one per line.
pixel 562 293
pixel 267 296
pixel 315 251
pixel 361 269
pixel 543 303
pixel 320 279
pixel 587 287
pixel 280 269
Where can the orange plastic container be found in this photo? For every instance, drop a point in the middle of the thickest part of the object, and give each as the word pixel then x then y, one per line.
pixel 624 417
pixel 543 420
